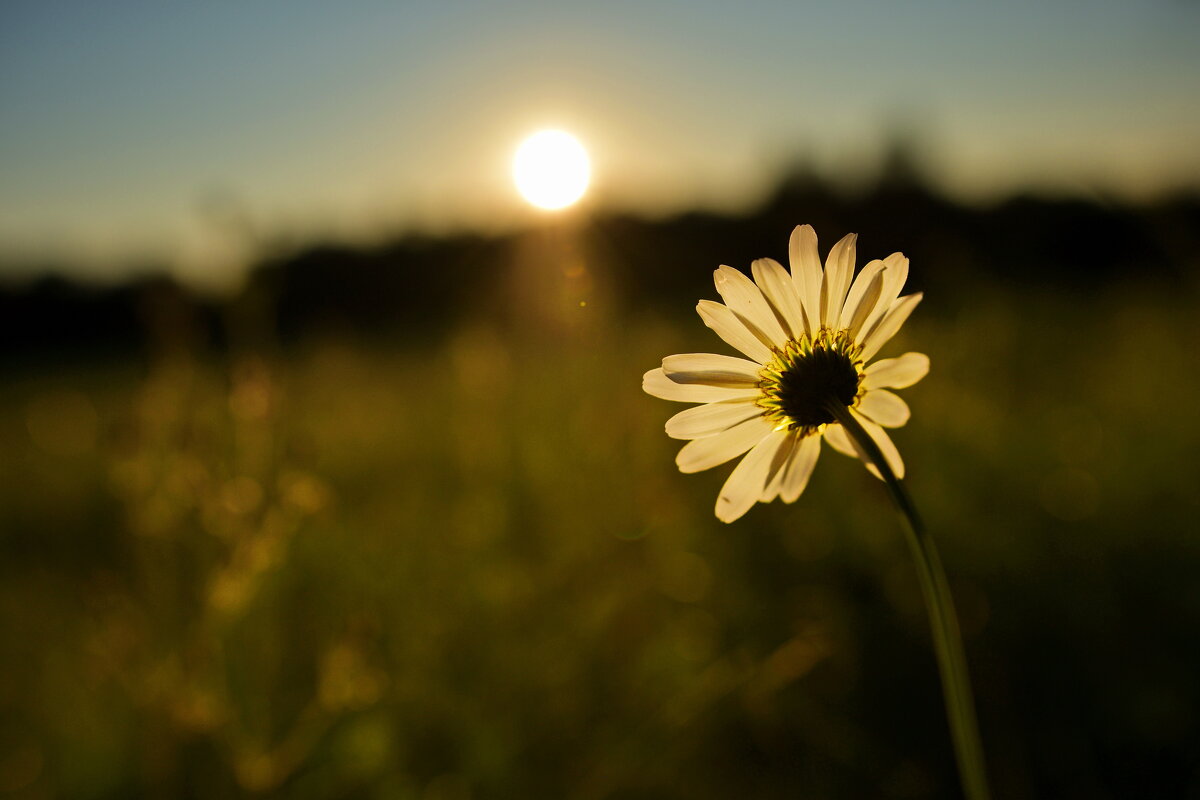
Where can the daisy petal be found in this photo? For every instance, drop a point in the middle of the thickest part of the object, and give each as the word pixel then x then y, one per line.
pixel 712 369
pixel 864 296
pixel 844 443
pixel 839 269
pixel 777 285
pixel 897 373
pixel 747 301
pixel 888 324
pixel 711 419
pixel 894 276
pixel 885 408
pixel 778 470
pixel 806 272
pixel 800 468
pixel 748 478
pixel 729 327
pixel 859 286
pixel 837 438
pixel 886 446
pixel 657 384
pixel 897 276
pixel 701 454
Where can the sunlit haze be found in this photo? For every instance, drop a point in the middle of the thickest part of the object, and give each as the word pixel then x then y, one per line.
pixel 193 135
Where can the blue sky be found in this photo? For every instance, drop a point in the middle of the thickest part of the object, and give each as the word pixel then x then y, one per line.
pixel 123 124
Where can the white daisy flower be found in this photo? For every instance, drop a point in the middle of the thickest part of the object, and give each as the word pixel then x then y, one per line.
pixel 809 337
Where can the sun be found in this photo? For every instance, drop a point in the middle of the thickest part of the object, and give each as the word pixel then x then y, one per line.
pixel 551 169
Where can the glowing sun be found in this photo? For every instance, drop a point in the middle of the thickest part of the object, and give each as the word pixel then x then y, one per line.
pixel 551 169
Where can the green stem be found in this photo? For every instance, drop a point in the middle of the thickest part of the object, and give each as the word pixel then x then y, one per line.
pixel 947 638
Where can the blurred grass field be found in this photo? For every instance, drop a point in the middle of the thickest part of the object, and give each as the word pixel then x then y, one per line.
pixel 469 568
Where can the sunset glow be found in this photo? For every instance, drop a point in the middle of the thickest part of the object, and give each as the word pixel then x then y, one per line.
pixel 551 170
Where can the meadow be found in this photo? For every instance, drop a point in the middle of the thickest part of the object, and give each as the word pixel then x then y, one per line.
pixel 463 564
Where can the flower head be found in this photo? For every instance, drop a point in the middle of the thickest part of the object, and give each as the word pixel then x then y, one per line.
pixel 810 336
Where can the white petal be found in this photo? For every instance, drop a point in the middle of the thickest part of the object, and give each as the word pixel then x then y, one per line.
pixel 886 446
pixel 711 419
pixel 748 478
pixel 800 468
pixel 897 276
pixel 885 408
pixel 656 383
pixel 839 269
pixel 863 297
pixel 896 373
pixel 702 454
pixel 888 324
pixel 860 284
pixel 894 276
pixel 806 272
pixel 712 370
pixel 778 288
pixel 740 294
pixel 778 469
pixel 721 319
pixel 839 440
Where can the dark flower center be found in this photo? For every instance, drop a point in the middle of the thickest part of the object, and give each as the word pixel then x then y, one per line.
pixel 806 375
pixel 812 381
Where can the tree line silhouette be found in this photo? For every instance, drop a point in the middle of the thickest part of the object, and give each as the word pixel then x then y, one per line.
pixel 417 285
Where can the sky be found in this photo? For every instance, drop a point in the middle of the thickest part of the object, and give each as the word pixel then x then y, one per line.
pixel 140 133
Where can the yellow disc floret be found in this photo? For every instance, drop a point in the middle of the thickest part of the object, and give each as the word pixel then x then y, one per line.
pixel 806 375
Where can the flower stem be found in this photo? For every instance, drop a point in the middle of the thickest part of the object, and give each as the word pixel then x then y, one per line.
pixel 947 638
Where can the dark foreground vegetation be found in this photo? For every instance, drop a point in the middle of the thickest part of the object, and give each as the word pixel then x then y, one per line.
pixel 399 522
